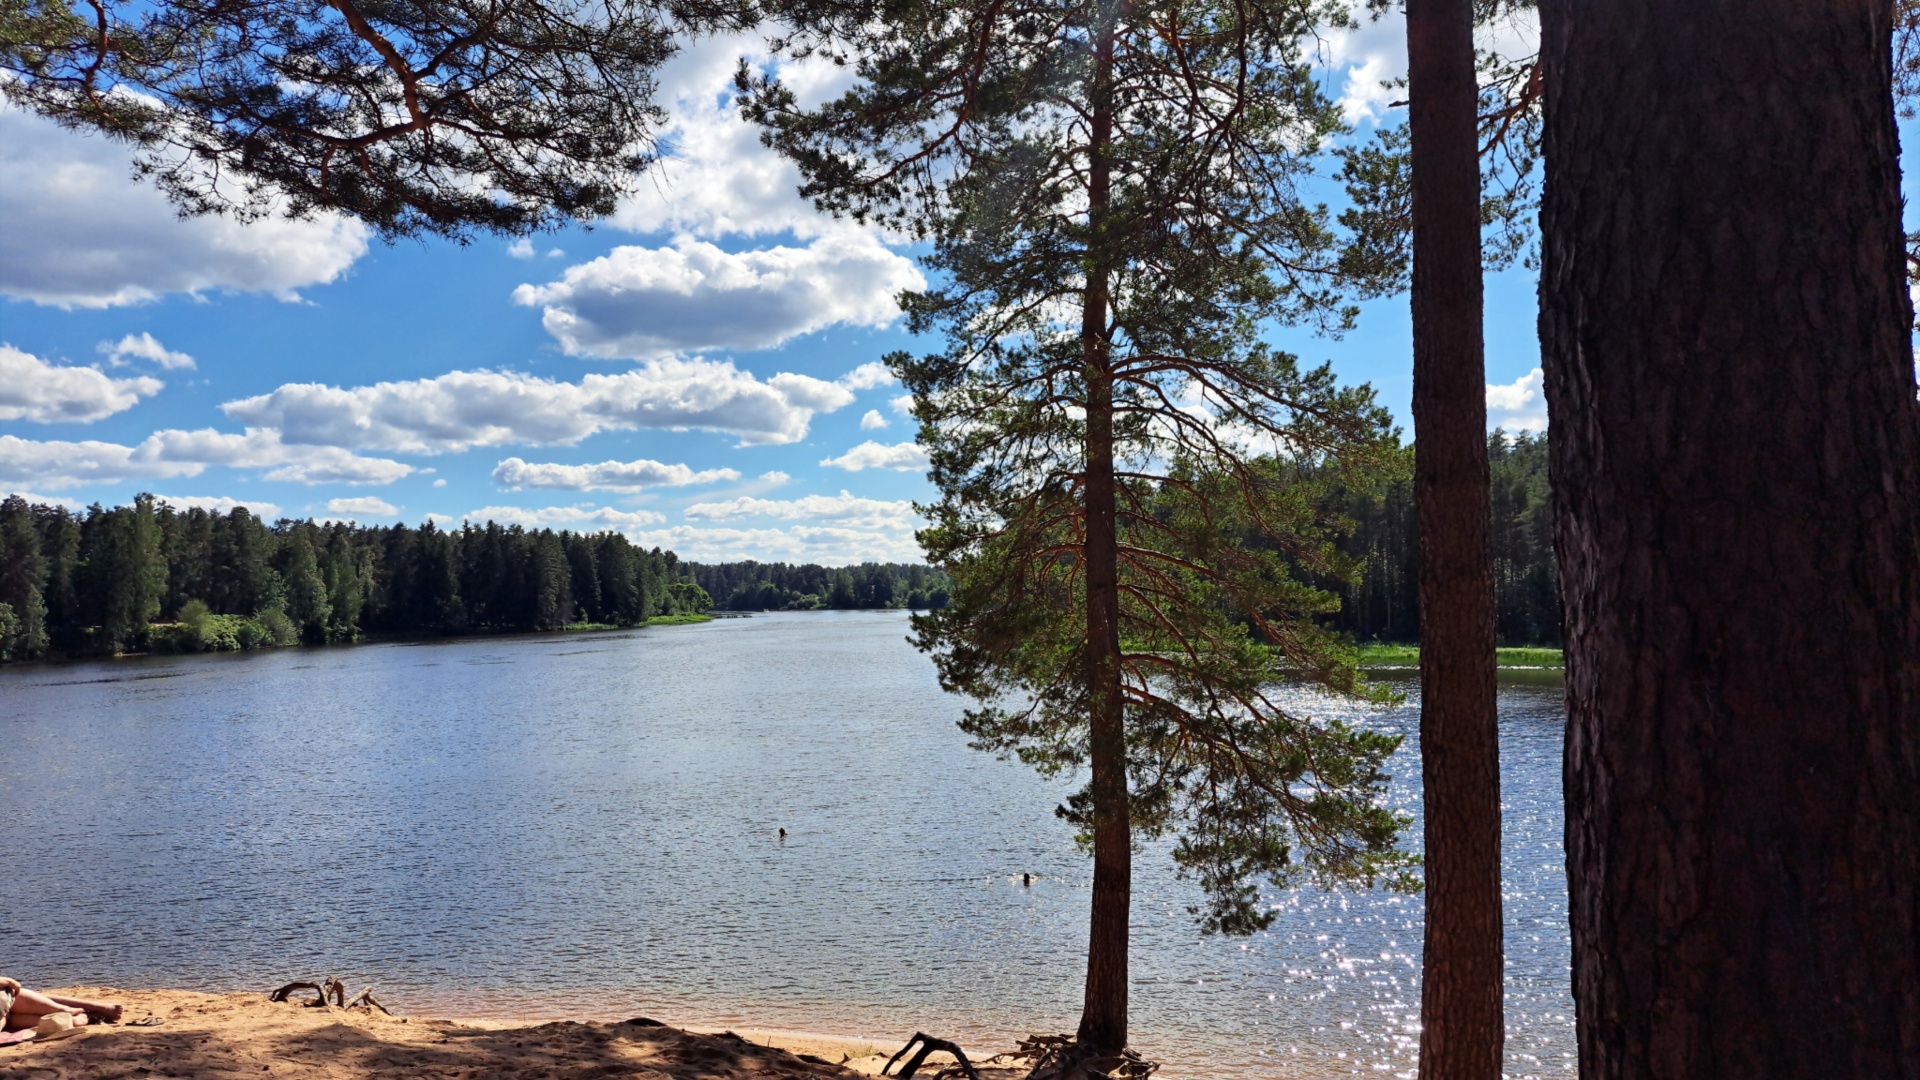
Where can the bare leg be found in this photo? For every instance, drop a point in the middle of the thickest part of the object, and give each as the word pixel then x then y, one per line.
pixel 30 1005
pixel 104 1010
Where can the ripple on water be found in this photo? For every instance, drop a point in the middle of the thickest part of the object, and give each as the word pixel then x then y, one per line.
pixel 568 825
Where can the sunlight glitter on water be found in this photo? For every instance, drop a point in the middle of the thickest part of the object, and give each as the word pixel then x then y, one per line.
pixel 586 825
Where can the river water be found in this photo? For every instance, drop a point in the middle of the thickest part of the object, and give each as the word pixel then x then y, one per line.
pixel 587 825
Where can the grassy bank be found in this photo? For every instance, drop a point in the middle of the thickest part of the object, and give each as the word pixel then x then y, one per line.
pixel 1409 656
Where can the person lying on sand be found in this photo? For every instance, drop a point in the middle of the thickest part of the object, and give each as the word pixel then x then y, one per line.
pixel 25 1009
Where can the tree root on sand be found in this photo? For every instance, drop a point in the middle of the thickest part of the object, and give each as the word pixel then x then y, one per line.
pixel 929 1044
pixel 1062 1057
pixel 332 989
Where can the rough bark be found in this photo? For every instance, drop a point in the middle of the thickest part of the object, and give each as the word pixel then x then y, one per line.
pixel 1462 1029
pixel 1725 328
pixel 1103 1017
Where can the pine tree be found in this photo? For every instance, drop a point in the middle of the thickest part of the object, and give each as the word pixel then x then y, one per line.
pixel 444 117
pixel 1108 190
pixel 1727 337
pixel 23 581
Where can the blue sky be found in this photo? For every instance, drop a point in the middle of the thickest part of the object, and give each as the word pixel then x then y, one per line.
pixel 697 372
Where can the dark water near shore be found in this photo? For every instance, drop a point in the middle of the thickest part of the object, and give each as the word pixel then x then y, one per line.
pixel 587 825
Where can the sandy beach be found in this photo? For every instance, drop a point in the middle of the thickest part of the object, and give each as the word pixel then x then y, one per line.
pixel 246 1035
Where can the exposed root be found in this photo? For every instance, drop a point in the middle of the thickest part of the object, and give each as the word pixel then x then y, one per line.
pixel 331 992
pixel 1061 1057
pixel 929 1044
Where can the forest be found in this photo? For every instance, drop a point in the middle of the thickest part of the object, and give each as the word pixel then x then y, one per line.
pixel 151 576
pixel 148 575
pixel 1383 602
pixel 757 586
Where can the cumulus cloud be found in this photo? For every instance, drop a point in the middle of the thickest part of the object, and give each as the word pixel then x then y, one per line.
pixel 867 376
pixel 638 302
pixel 76 231
pixel 221 504
pixel 828 545
pixel 606 476
pixel 902 405
pixel 1520 405
pixel 584 516
pixel 172 453
pixel 33 389
pixel 872 421
pixel 144 347
pixel 900 457
pixel 521 248
pixel 362 506
pixel 263 448
pixel 1375 53
pixel 720 179
pixel 46 500
pixel 842 509
pixel 60 464
pixel 462 409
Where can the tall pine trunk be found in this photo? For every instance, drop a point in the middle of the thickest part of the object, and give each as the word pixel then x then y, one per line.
pixel 1103 1017
pixel 1736 461
pixel 1462 1030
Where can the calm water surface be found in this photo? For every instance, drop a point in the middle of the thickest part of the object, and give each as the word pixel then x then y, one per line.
pixel 587 825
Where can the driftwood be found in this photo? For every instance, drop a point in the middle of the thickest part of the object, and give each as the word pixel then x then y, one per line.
pixel 1061 1057
pixel 929 1044
pixel 333 992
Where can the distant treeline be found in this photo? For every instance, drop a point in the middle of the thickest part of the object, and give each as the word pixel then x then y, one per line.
pixel 1385 605
pixel 757 586
pixel 147 575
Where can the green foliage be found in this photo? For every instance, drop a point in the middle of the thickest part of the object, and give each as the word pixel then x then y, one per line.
pixel 1409 656
pixel 96 582
pixel 23 582
pixel 10 645
pixel 757 586
pixel 1110 198
pixel 440 117
pixel 1384 603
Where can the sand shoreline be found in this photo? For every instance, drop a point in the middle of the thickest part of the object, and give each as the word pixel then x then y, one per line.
pixel 244 1034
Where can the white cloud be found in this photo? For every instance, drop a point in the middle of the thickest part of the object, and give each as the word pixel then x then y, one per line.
pixel 440 483
pixel 172 453
pixel 1376 52
pixel 642 302
pixel 263 448
pixel 76 231
pixel 33 389
pixel 521 249
pixel 824 544
pixel 58 464
pixel 774 478
pixel 901 457
pixel 1520 405
pixel 585 516
pixel 867 376
pixel 462 409
pixel 872 421
pixel 221 504
pixel 902 405
pixel 606 476
pixel 362 506
pixel 720 179
pixel 46 500
pixel 844 508
pixel 144 346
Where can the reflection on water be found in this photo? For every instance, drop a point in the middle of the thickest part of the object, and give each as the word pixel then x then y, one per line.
pixel 588 826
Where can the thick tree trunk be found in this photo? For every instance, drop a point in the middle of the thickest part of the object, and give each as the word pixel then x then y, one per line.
pixel 1735 442
pixel 1103 1017
pixel 1462 1030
